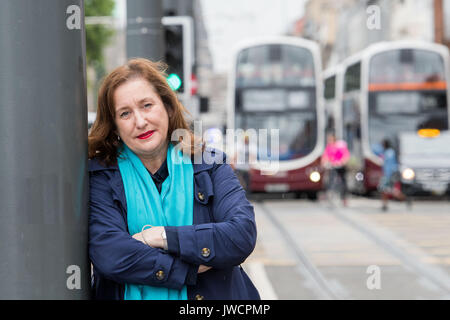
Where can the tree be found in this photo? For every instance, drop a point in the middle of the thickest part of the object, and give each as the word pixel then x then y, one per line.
pixel 97 36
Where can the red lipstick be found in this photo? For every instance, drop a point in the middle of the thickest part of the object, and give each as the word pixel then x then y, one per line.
pixel 146 135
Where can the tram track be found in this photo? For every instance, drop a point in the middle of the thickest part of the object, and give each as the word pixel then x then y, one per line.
pixel 432 273
pixel 382 239
pixel 324 289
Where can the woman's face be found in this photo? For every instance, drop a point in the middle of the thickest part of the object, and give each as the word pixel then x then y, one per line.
pixel 141 118
pixel 331 139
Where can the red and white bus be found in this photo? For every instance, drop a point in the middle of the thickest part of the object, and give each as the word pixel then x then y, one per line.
pixel 387 89
pixel 275 83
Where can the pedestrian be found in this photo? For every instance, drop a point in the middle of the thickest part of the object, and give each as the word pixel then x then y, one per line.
pixel 334 160
pixel 161 225
pixel 242 161
pixel 389 185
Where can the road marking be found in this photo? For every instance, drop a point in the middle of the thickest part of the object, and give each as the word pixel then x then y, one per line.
pixel 261 281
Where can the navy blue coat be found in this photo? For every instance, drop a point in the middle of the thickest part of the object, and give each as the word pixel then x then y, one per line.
pixel 222 236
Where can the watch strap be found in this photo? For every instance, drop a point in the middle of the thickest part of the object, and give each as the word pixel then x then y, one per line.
pixel 164 237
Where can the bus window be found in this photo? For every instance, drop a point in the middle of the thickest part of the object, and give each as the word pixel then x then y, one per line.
pixel 352 77
pixel 330 87
pixel 275 65
pixel 407 66
pixel 329 95
pixel 297 131
pixel 405 111
pixel 352 124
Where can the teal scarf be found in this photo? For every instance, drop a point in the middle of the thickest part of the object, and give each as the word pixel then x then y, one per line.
pixel 145 205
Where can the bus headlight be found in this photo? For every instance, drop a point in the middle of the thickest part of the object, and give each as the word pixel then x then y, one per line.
pixel 314 176
pixel 408 174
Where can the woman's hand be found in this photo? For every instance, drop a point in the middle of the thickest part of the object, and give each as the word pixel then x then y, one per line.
pixel 152 237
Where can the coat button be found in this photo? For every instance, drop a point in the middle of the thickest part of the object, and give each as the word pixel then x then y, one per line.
pixel 160 275
pixel 206 252
pixel 201 196
pixel 199 297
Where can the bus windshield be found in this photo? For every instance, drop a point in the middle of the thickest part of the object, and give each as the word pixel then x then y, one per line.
pixel 405 111
pixel 297 131
pixel 275 65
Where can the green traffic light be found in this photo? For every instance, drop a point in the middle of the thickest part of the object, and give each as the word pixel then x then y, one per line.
pixel 174 81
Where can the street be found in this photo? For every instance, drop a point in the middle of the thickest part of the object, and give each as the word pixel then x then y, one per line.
pixel 321 250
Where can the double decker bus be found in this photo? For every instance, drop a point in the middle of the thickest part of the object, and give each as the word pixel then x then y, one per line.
pixel 275 83
pixel 389 88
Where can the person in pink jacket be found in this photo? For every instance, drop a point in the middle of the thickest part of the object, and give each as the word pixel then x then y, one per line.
pixel 334 159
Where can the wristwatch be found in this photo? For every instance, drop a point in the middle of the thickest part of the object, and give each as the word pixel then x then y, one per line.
pixel 164 237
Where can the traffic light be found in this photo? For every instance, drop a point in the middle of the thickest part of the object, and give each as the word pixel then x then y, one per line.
pixel 179 53
pixel 179 56
pixel 174 56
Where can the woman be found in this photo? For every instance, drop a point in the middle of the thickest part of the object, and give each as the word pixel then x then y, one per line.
pixel 160 226
pixel 389 182
pixel 335 157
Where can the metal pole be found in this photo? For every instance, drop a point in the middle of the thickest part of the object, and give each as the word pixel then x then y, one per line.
pixel 43 143
pixel 145 35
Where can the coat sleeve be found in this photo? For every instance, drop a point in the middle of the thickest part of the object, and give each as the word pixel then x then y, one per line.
pixel 231 238
pixel 119 257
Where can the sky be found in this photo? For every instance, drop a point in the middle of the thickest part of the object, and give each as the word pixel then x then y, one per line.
pixel 229 21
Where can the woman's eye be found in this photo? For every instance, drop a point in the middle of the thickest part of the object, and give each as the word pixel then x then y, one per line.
pixel 124 114
pixel 147 105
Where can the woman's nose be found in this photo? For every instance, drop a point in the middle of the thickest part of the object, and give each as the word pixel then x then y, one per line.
pixel 141 122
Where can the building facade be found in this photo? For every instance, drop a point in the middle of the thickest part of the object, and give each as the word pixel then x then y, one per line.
pixel 345 27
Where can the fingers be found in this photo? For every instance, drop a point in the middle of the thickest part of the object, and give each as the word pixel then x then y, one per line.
pixel 138 237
